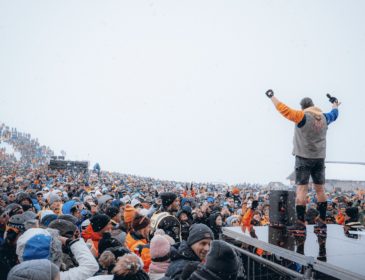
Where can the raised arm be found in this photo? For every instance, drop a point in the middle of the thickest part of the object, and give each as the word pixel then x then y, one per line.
pixel 295 116
pixel 332 116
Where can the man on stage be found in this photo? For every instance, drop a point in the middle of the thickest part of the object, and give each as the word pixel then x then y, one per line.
pixel 310 153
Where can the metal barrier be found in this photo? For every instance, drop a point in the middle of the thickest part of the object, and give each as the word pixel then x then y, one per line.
pixel 281 263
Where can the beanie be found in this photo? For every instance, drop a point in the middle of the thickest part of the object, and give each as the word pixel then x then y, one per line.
pixel 47 219
pixel 17 221
pixel 129 213
pixel 199 232
pixel 23 196
pixel 140 222
pixel 306 102
pixel 69 218
pixel 235 191
pixel 13 209
pixel 99 221
pixel 54 198
pixel 167 198
pixel 160 248
pixel 45 213
pixel 84 224
pixel 65 228
pixel 112 211
pixel 34 270
pixel 222 260
pixel 103 199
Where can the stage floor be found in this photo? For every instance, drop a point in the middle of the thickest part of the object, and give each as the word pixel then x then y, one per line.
pixel 336 252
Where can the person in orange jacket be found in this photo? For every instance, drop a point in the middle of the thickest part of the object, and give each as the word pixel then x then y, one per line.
pixel 99 224
pixel 137 239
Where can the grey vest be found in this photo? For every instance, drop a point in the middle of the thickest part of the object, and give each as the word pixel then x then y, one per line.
pixel 310 139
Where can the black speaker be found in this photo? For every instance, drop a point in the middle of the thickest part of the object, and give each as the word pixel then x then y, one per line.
pixel 282 208
pixel 280 237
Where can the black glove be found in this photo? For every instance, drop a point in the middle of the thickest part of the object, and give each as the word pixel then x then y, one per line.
pixel 332 99
pixel 269 93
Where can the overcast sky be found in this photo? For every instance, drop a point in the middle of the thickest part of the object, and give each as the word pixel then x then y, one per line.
pixel 175 89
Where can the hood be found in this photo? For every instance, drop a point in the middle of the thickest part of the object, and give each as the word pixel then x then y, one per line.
pixel 315 111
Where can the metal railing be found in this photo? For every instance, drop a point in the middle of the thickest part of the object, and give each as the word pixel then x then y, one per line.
pixel 283 264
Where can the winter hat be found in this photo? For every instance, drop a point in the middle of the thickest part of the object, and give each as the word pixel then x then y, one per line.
pixel 38 243
pixel 306 102
pixel 222 260
pixel 29 215
pixel 85 224
pixel 47 219
pixel 65 228
pixel 69 218
pixel 167 198
pixel 235 191
pixel 112 211
pixel 45 213
pixel 54 198
pixel 160 248
pixel 230 220
pixel 199 232
pixel 129 213
pixel 22 196
pixel 34 270
pixel 17 221
pixel 104 198
pixel 99 221
pixel 162 233
pixel 66 208
pixel 107 242
pixel 135 202
pixel 13 209
pixel 140 222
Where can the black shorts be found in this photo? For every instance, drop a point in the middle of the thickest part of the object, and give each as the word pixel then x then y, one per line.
pixel 306 167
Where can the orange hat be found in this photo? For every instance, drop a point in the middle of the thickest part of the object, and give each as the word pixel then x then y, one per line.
pixel 236 191
pixel 129 212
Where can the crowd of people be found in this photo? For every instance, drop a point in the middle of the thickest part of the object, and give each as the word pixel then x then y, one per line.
pixel 67 224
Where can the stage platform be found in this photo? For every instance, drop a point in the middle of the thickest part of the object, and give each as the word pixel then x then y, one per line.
pixel 333 254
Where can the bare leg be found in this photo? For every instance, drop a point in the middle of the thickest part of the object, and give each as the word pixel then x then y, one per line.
pixel 321 195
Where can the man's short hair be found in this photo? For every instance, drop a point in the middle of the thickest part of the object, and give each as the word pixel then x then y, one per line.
pixel 306 102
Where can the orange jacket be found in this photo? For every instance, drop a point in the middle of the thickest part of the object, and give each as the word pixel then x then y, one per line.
pixel 247 218
pixel 139 246
pixel 265 221
pixel 291 114
pixel 88 233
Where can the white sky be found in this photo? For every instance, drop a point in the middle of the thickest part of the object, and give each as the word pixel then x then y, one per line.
pixel 175 89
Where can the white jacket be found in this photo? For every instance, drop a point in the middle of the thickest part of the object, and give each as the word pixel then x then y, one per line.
pixel 88 266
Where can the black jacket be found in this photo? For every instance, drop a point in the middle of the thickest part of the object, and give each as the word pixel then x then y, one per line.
pixel 181 255
pixel 8 259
